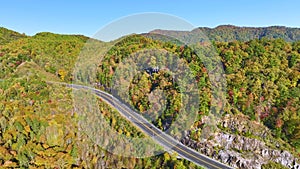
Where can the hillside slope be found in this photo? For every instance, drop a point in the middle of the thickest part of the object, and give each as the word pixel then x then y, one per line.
pixel 39 121
pixel 7 35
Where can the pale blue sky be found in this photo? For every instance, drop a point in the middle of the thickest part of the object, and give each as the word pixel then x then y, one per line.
pixel 87 17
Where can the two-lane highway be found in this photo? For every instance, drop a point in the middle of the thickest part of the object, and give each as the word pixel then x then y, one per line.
pixel 159 136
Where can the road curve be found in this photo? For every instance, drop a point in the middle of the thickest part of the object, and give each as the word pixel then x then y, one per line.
pixel 165 140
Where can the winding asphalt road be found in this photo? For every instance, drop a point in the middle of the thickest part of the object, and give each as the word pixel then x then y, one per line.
pixel 168 142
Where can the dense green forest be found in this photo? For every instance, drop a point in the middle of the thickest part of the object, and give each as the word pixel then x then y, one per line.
pixel 39 124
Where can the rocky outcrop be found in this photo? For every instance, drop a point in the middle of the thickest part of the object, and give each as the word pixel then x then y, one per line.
pixel 241 124
pixel 240 151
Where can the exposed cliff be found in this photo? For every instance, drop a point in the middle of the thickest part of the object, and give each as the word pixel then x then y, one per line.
pixel 253 149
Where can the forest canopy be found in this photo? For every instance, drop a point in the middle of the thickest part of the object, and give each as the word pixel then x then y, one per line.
pixel 39 124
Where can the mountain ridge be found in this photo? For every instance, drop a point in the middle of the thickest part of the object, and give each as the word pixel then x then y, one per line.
pixel 221 33
pixel 229 33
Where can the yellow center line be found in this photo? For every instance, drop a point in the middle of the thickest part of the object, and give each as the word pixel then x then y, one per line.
pixel 157 134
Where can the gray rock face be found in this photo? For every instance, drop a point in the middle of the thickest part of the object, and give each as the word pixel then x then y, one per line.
pixel 242 152
pixel 239 151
